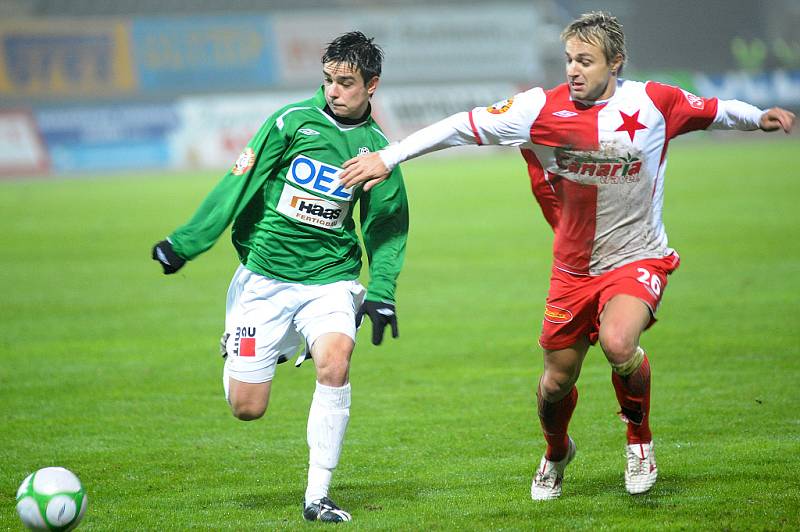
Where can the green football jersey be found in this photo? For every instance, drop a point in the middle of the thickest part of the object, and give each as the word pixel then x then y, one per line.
pixel 292 219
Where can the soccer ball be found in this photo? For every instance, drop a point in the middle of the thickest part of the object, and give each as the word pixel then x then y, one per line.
pixel 52 498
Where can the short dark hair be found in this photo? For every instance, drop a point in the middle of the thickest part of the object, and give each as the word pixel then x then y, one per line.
pixel 358 51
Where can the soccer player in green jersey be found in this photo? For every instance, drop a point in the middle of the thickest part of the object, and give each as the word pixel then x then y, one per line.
pixel 295 236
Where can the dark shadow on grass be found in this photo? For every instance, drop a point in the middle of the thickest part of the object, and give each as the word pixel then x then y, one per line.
pixel 664 491
pixel 611 485
pixel 374 496
pixel 354 497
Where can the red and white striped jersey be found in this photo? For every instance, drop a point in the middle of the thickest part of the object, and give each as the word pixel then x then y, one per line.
pixel 596 168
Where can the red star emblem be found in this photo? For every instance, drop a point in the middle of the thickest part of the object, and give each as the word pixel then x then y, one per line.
pixel 631 124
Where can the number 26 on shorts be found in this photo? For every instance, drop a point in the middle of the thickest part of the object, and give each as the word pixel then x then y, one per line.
pixel 649 280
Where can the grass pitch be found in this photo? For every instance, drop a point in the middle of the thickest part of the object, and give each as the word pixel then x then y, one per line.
pixel 111 369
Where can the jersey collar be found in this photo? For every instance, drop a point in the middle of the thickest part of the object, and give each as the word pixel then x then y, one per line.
pixel 319 100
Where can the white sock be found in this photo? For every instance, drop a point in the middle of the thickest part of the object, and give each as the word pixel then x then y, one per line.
pixel 327 422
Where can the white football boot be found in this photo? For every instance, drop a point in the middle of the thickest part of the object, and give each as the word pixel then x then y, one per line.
pixel 640 471
pixel 546 483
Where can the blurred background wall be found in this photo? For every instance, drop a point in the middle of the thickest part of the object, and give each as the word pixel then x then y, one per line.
pixel 104 85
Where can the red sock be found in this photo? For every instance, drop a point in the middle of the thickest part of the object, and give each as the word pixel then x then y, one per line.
pixel 554 418
pixel 633 395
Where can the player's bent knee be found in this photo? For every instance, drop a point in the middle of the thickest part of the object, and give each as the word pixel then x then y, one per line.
pixel 332 358
pixel 630 365
pixel 555 386
pixel 248 411
pixel 618 347
pixel 336 374
pixel 248 415
pixel 248 401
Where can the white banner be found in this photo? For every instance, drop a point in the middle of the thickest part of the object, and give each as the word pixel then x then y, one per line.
pixel 21 148
pixel 425 44
pixel 215 129
pixel 401 111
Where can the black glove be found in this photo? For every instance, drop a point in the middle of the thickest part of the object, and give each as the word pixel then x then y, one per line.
pixel 381 315
pixel 166 256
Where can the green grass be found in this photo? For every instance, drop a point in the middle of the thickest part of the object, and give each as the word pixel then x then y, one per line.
pixel 110 368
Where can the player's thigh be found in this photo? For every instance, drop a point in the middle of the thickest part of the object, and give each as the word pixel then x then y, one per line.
pixel 329 308
pixel 331 354
pixel 327 323
pixel 248 400
pixel 562 367
pixel 569 312
pixel 259 326
pixel 622 321
pixel 629 299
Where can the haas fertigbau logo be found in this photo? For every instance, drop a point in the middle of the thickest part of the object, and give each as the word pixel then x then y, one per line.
pixel 322 201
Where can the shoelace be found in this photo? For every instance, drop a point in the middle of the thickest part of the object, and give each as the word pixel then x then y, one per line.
pixel 636 465
pixel 547 479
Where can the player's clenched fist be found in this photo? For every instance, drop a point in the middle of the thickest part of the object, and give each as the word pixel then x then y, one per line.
pixel 776 118
pixel 166 256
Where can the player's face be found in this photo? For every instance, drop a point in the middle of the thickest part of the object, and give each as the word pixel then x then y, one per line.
pixel 345 91
pixel 589 75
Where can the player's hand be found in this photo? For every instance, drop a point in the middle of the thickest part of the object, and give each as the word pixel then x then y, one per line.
pixel 777 118
pixel 367 168
pixel 380 314
pixel 166 256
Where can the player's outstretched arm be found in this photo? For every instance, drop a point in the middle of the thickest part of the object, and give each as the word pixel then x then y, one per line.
pixel 368 168
pixel 777 118
pixel 455 130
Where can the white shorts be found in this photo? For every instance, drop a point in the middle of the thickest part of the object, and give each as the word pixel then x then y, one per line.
pixel 266 318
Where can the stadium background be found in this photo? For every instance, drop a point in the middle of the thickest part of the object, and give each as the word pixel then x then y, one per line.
pixel 98 86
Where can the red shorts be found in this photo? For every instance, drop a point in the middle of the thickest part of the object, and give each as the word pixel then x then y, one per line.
pixel 574 302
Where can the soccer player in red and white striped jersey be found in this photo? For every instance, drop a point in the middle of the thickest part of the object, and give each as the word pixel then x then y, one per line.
pixel 596 150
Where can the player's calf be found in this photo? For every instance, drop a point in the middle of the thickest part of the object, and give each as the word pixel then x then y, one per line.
pixel 632 388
